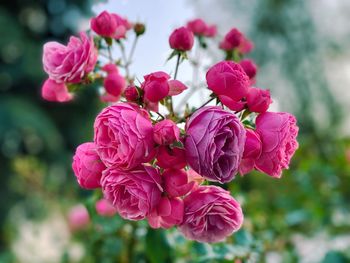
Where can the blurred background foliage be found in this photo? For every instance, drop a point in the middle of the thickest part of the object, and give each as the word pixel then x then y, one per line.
pixel 303 217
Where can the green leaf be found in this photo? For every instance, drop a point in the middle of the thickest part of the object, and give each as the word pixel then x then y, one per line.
pixel 157 247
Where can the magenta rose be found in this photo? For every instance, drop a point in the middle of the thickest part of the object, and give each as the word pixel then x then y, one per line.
pixel 171 157
pixel 211 31
pixel 104 24
pixel 123 136
pixel 258 100
pixel 87 166
pixel 228 78
pixel 131 93
pixel 214 143
pixel 252 151
pixel 198 27
pixel 169 213
pixel 70 63
pixel 249 67
pixel 176 87
pixel 133 193
pixel 278 132
pixel 176 182
pixel 156 86
pixel 246 46
pixel 181 39
pixel 78 217
pixel 232 40
pixel 53 91
pixel 211 214
pixel 166 132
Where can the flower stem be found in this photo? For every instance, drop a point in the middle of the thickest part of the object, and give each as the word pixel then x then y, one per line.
pixel 132 50
pixel 110 54
pixel 177 65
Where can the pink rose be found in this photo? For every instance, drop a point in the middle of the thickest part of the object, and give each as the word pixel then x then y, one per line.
pixel 78 218
pixel 124 136
pixel 228 78
pixel 181 39
pixel 171 157
pixel 156 86
pixel 114 84
pixel 110 68
pixel 232 104
pixel 252 151
pixel 194 177
pixel 214 143
pixel 53 91
pixel 133 193
pixel 211 214
pixel 105 208
pixel 176 182
pixel 278 132
pixel 176 87
pixel 211 31
pixel 197 26
pixel 258 100
pixel 249 67
pixel 106 97
pixel 131 93
pixel 104 24
pixel 169 213
pixel 87 166
pixel 166 132
pixel 70 63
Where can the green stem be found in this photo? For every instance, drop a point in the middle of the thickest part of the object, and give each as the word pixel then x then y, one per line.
pixel 177 65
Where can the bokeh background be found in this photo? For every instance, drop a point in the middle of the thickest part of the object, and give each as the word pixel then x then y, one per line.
pixel 302 49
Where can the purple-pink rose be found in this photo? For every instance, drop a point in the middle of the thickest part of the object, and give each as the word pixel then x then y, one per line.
pixel 105 208
pixel 70 63
pixel 123 136
pixel 228 78
pixel 168 213
pixel 78 218
pixel 176 182
pixel 53 91
pixel 278 132
pixel 87 166
pixel 181 39
pixel 166 132
pixel 211 214
pixel 214 143
pixel 156 86
pixel 258 100
pixel 134 193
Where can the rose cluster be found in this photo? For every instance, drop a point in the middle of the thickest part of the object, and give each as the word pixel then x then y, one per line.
pixel 161 165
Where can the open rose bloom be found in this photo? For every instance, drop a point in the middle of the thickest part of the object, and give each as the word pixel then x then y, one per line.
pixel 149 160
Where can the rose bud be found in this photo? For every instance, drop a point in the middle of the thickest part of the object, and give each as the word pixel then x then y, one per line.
pixel 104 24
pixel 166 132
pixel 246 46
pixel 258 100
pixel 105 208
pixel 139 29
pixel 252 151
pixel 87 166
pixel 134 193
pixel 232 104
pixel 176 87
pixel 176 183
pixel 110 68
pixel 197 26
pixel 211 214
pixel 131 93
pixel 211 31
pixel 71 63
pixel 214 143
pixel 249 67
pixel 181 39
pixel 78 218
pixel 156 86
pixel 228 78
pixel 169 213
pixel 123 135
pixel 171 157
pixel 278 132
pixel 53 91
pixel 233 38
pixel 114 84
